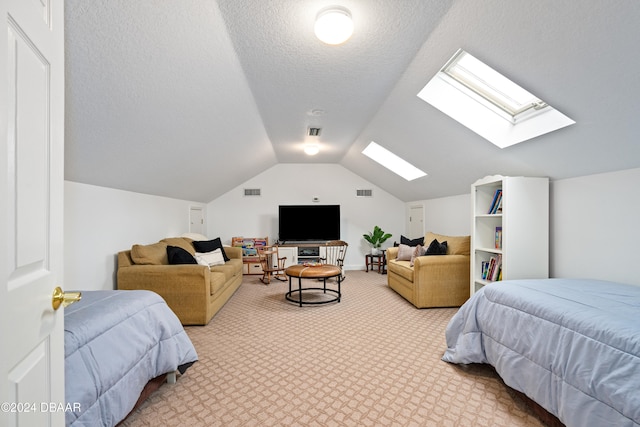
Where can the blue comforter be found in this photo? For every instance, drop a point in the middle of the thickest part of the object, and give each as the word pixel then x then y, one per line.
pixel 115 342
pixel 573 346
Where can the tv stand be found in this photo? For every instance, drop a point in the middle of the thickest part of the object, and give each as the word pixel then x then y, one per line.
pixel 301 252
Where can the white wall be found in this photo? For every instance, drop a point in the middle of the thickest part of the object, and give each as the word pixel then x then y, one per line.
pixel 447 215
pixel 99 222
pixel 233 214
pixel 594 227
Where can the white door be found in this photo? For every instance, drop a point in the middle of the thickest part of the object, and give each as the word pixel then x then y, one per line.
pixel 416 222
pixel 31 208
pixel 196 220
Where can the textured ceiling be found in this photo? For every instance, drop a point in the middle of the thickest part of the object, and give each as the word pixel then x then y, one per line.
pixel 188 99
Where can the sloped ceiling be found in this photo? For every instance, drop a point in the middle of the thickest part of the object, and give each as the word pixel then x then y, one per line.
pixel 188 99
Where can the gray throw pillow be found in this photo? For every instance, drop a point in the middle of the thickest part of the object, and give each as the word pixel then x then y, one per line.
pixel 417 251
pixel 404 253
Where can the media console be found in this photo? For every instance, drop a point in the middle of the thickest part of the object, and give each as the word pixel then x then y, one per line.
pixel 329 252
pixel 299 253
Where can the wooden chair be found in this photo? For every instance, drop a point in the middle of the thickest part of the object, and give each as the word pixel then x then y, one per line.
pixel 335 252
pixel 272 264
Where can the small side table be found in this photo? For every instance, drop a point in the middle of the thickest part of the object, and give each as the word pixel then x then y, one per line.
pixel 379 260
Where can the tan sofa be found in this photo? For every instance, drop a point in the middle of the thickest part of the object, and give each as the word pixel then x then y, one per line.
pixel 434 280
pixel 194 292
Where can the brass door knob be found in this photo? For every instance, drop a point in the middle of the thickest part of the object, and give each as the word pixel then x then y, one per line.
pixel 64 298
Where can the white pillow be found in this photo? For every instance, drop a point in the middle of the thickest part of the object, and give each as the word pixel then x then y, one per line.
pixel 210 258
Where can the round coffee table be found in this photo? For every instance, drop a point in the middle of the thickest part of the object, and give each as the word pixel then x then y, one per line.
pixel 316 272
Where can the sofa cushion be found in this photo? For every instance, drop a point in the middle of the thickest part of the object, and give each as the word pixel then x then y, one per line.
pixel 217 282
pixel 436 248
pixel 155 254
pixel 181 243
pixel 404 252
pixel 230 269
pixel 456 245
pixel 203 246
pixel 412 242
pixel 177 255
pixel 401 268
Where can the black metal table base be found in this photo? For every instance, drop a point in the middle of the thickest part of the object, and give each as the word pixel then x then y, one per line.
pixel 290 295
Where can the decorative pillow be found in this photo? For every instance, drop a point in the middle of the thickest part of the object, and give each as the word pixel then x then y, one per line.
pixel 204 246
pixel 210 258
pixel 436 248
pixel 417 251
pixel 155 254
pixel 404 253
pixel 458 245
pixel 178 255
pixel 411 242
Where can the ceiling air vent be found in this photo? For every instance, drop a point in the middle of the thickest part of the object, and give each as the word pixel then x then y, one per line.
pixel 252 192
pixel 364 193
pixel 314 131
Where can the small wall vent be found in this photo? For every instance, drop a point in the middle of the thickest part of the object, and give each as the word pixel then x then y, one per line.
pixel 314 131
pixel 252 192
pixel 364 193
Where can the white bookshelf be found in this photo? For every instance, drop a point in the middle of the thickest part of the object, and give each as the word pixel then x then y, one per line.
pixel 524 220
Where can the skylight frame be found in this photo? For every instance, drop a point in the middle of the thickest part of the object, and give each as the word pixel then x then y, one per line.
pixel 393 162
pixel 489 86
pixel 497 125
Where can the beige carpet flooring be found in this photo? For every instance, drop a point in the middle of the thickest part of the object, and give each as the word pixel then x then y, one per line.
pixel 370 360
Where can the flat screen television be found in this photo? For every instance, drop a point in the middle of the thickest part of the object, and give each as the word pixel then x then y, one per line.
pixel 299 223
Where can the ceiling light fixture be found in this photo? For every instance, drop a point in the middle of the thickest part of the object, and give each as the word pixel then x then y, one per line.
pixel 334 25
pixel 311 149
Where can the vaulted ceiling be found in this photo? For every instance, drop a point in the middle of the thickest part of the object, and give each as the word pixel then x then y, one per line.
pixel 190 98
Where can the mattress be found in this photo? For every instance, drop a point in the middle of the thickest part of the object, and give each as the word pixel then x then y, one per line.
pixel 572 346
pixel 115 342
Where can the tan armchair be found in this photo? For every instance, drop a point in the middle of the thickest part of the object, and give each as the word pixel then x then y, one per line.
pixel 434 280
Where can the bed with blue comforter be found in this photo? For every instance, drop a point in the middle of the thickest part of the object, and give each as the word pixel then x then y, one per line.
pixel 115 343
pixel 572 346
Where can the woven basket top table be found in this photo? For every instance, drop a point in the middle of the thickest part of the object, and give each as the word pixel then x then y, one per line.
pixel 312 272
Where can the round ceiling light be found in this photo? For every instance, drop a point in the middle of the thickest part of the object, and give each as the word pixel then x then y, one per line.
pixel 334 25
pixel 311 149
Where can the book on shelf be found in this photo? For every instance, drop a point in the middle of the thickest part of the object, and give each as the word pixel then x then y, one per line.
pixel 492 269
pixel 496 203
pixel 498 243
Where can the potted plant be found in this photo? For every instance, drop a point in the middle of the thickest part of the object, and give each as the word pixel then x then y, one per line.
pixel 376 239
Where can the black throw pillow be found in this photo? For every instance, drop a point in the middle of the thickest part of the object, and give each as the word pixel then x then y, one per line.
pixel 436 248
pixel 179 255
pixel 204 246
pixel 412 242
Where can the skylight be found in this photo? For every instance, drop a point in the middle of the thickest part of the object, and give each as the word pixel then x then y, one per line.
pixel 392 162
pixel 490 104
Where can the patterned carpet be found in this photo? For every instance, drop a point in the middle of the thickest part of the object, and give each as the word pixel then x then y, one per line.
pixel 370 360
